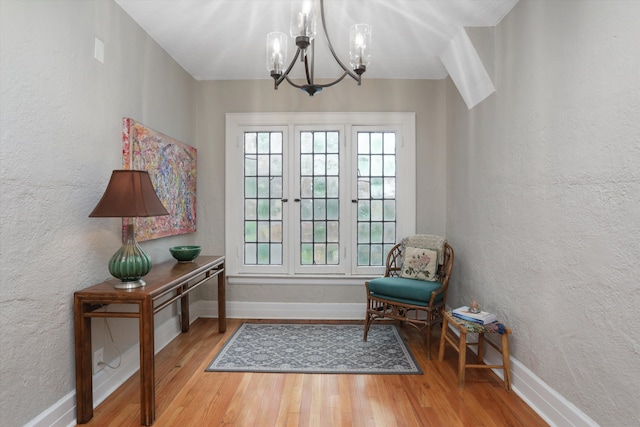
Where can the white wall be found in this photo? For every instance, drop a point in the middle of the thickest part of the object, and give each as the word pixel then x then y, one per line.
pixel 543 198
pixel 61 114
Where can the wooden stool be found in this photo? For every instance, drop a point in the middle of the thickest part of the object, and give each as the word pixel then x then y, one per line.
pixel 460 346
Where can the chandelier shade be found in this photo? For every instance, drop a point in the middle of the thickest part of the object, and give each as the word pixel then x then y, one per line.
pixel 303 30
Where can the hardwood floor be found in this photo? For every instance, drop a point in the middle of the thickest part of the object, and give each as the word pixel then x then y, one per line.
pixel 186 395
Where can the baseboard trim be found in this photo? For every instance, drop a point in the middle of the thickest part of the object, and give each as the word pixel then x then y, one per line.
pixel 282 310
pixel 548 403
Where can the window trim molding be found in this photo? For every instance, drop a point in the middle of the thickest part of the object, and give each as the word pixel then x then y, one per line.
pixel 237 123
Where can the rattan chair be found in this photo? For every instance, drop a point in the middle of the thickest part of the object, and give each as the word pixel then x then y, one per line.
pixel 419 303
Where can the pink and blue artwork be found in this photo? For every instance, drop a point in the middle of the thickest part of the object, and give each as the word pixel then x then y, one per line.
pixel 172 167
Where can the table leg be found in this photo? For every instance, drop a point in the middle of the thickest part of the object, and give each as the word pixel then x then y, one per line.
pixel 506 366
pixel 184 310
pixel 84 365
pixel 462 357
pixel 147 368
pixel 222 303
pixel 443 338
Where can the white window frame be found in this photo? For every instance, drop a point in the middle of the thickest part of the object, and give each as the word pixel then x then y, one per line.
pixel 290 123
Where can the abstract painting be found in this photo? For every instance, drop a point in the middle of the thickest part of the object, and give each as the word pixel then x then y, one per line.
pixel 172 167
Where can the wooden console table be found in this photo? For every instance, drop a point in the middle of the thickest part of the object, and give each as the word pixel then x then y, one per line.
pixel 166 283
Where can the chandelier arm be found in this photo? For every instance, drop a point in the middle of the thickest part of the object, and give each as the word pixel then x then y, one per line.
pixel 286 73
pixel 338 80
pixel 306 69
pixel 351 74
pixel 292 83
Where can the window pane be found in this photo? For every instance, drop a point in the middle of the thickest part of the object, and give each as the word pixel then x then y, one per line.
pixel 263 231
pixel 276 231
pixel 250 253
pixel 376 210
pixel 376 196
pixel 276 164
pixel 319 142
pixel 333 254
pixel 389 232
pixel 319 187
pixel 276 187
pixel 250 231
pixel 333 231
pixel 306 187
pixel 333 142
pixel 306 142
pixel 306 254
pixel 306 209
pixel 333 209
pixel 263 253
pixel 333 164
pixel 250 166
pixel 376 232
pixel 376 254
pixel 263 186
pixel 319 210
pixel 264 142
pixel 319 194
pixel 263 194
pixel 363 255
pixel 390 210
pixel 376 165
pixel 250 209
pixel 363 232
pixel 364 211
pixel 319 164
pixel 376 188
pixel 333 187
pixel 363 166
pixel 251 187
pixel 276 209
pixel 306 164
pixel 276 143
pixel 306 231
pixel 264 209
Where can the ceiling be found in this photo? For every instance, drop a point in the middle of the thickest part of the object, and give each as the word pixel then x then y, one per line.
pixel 226 39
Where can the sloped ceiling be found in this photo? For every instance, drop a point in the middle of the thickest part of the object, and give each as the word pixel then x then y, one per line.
pixel 226 39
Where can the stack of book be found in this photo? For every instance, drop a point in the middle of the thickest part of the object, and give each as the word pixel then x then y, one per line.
pixel 483 318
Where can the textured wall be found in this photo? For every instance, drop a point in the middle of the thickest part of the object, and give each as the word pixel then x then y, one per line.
pixel 543 198
pixel 61 114
pixel 216 98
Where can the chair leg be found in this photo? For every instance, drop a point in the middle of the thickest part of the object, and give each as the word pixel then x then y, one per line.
pixel 367 322
pixel 429 341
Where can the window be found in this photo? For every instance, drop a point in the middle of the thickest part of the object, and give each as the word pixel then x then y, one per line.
pixel 312 196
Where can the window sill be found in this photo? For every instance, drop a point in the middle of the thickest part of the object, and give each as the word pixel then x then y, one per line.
pixel 307 279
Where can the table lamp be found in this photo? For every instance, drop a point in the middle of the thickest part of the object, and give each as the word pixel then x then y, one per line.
pixel 130 193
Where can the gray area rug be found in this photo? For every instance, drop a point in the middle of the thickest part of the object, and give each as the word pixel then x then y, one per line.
pixel 315 348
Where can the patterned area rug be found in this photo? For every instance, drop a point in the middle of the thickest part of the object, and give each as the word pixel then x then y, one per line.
pixel 315 348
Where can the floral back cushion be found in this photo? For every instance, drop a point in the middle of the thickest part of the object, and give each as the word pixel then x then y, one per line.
pixel 419 263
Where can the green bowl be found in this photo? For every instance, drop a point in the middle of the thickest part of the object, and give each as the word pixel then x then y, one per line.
pixel 185 253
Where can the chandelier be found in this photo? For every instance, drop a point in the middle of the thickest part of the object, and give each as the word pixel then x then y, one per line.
pixel 303 29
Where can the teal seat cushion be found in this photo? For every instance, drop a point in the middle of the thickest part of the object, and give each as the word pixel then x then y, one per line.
pixel 408 291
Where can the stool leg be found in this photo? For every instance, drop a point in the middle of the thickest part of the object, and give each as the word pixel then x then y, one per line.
pixel 480 347
pixel 462 358
pixel 445 328
pixel 506 367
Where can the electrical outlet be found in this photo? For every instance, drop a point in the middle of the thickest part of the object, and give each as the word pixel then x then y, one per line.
pixel 98 359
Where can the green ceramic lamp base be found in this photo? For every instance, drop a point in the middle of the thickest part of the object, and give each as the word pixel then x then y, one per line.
pixel 129 263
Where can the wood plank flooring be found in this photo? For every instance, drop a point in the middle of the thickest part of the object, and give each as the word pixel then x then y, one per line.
pixel 186 395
